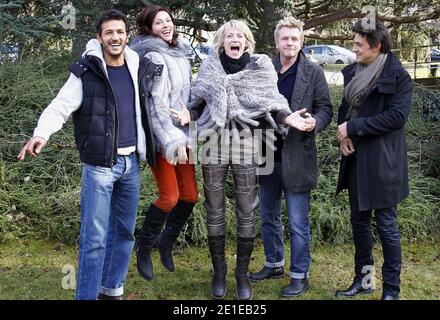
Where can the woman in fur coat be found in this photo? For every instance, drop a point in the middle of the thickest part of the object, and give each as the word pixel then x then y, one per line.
pixel 235 92
pixel 159 42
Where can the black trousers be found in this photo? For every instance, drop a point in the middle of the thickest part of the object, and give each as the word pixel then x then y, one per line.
pixel 386 222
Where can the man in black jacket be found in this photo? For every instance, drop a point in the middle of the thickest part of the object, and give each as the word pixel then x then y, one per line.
pixel 102 92
pixel 295 173
pixel 371 135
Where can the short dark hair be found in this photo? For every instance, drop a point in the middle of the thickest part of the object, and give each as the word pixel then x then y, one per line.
pixel 375 35
pixel 111 14
pixel 144 22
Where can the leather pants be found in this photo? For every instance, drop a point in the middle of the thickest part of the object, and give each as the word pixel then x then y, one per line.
pixel 246 197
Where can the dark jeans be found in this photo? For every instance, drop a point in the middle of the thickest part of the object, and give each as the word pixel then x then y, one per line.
pixel 386 221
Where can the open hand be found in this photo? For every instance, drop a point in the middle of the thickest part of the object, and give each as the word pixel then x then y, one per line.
pixel 301 120
pixel 32 147
pixel 182 116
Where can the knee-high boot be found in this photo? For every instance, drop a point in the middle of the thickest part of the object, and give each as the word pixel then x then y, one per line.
pixel 151 227
pixel 166 239
pixel 217 250
pixel 245 246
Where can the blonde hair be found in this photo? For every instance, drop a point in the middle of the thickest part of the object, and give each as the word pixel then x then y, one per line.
pixel 289 22
pixel 241 26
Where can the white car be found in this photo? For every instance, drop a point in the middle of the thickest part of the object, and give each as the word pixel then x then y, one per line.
pixel 330 54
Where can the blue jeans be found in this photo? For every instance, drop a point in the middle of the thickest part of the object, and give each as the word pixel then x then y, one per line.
pixel 271 189
pixel 109 202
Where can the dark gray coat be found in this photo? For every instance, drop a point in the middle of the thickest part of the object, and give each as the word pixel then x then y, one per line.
pixel 299 159
pixel 382 173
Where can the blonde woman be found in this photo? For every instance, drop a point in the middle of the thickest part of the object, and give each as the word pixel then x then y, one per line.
pixel 235 92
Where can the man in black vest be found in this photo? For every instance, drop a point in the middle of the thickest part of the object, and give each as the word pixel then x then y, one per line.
pixel 371 134
pixel 111 134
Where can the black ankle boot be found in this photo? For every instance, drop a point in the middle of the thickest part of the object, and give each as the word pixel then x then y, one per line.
pixel 166 239
pixel 151 227
pixel 266 273
pixel 217 250
pixel 295 288
pixel 245 246
pixel 355 289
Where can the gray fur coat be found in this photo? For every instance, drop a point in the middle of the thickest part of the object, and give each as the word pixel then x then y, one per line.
pixel 167 90
pixel 242 97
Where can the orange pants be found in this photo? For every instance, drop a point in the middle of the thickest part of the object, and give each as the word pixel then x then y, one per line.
pixel 174 183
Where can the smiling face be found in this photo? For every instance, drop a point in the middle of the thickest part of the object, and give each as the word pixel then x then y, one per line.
pixel 113 39
pixel 365 54
pixel 234 43
pixel 163 26
pixel 289 42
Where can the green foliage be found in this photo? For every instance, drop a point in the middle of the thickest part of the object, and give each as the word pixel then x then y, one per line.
pixel 37 25
pixel 29 23
pixel 411 38
pixel 36 196
pixel 40 197
pixel 424 131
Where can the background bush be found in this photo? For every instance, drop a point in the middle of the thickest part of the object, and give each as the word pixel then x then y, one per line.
pixel 40 197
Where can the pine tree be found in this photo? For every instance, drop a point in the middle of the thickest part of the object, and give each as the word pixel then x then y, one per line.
pixel 29 23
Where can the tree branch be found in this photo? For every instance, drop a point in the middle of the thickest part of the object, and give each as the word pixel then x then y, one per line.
pixel 332 17
pixel 350 14
pixel 410 19
pixel 333 38
pixel 145 3
pixel 197 24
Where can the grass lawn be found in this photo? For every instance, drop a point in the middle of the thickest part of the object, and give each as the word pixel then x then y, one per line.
pixel 32 269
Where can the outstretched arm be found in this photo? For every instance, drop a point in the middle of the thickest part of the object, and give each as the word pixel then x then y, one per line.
pixel 52 119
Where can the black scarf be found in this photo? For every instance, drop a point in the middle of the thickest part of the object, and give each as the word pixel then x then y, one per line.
pixel 234 65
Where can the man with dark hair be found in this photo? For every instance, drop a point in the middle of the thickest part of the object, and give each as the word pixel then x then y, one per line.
pixel 111 14
pixel 102 92
pixel 371 134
